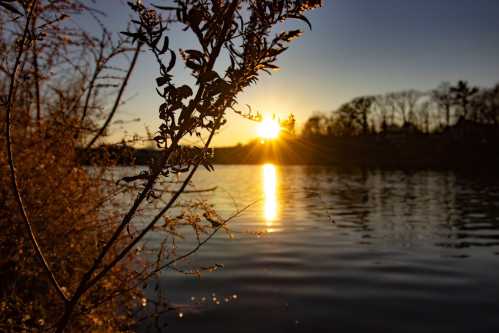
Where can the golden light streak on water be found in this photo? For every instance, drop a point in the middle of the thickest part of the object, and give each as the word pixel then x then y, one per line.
pixel 270 195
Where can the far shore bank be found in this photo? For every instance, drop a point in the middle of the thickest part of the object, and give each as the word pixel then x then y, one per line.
pixel 449 150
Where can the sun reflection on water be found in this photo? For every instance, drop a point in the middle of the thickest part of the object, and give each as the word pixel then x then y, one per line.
pixel 270 195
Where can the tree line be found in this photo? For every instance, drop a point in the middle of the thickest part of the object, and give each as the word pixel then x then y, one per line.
pixel 410 111
pixel 451 126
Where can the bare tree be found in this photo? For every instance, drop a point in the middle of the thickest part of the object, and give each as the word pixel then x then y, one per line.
pixel 442 96
pixel 404 103
pixel 382 111
pixel 424 116
pixel 363 108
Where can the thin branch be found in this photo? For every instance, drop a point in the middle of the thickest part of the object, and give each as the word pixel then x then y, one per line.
pixel 174 260
pixel 135 187
pixel 36 73
pixel 151 224
pixel 204 241
pixel 15 186
pixel 118 98
pixel 89 91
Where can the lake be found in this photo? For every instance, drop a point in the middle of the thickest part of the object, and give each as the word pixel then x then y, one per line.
pixel 329 250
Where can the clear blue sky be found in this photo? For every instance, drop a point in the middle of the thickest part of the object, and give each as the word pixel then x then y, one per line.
pixel 356 47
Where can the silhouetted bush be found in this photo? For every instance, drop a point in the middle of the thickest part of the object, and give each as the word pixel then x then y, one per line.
pixel 72 258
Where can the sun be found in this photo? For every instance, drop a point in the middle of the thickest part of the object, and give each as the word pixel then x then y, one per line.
pixel 268 129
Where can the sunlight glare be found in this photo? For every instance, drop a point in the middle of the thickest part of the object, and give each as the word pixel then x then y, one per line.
pixel 268 129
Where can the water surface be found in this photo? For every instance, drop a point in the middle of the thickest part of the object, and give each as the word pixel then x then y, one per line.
pixel 342 250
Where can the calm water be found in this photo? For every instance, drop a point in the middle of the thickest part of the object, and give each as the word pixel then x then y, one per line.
pixel 379 251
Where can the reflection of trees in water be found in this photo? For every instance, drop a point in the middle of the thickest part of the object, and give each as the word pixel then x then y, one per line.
pixel 406 207
pixel 475 221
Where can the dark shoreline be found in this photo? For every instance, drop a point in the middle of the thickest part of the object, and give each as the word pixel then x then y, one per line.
pixel 437 151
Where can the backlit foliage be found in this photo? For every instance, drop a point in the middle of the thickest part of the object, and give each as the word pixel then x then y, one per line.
pixel 72 257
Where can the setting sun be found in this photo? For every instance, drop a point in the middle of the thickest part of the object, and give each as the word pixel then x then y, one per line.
pixel 268 129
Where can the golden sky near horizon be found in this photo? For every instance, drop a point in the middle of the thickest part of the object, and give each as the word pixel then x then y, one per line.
pixel 356 48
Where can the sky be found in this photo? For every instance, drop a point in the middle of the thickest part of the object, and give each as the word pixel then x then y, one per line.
pixel 356 47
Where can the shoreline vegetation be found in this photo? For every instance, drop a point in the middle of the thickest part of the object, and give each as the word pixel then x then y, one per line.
pixel 444 150
pixel 452 126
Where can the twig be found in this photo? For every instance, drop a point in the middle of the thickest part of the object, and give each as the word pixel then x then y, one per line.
pixel 151 224
pixel 185 255
pixel 204 241
pixel 135 187
pixel 118 98
pixel 36 75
